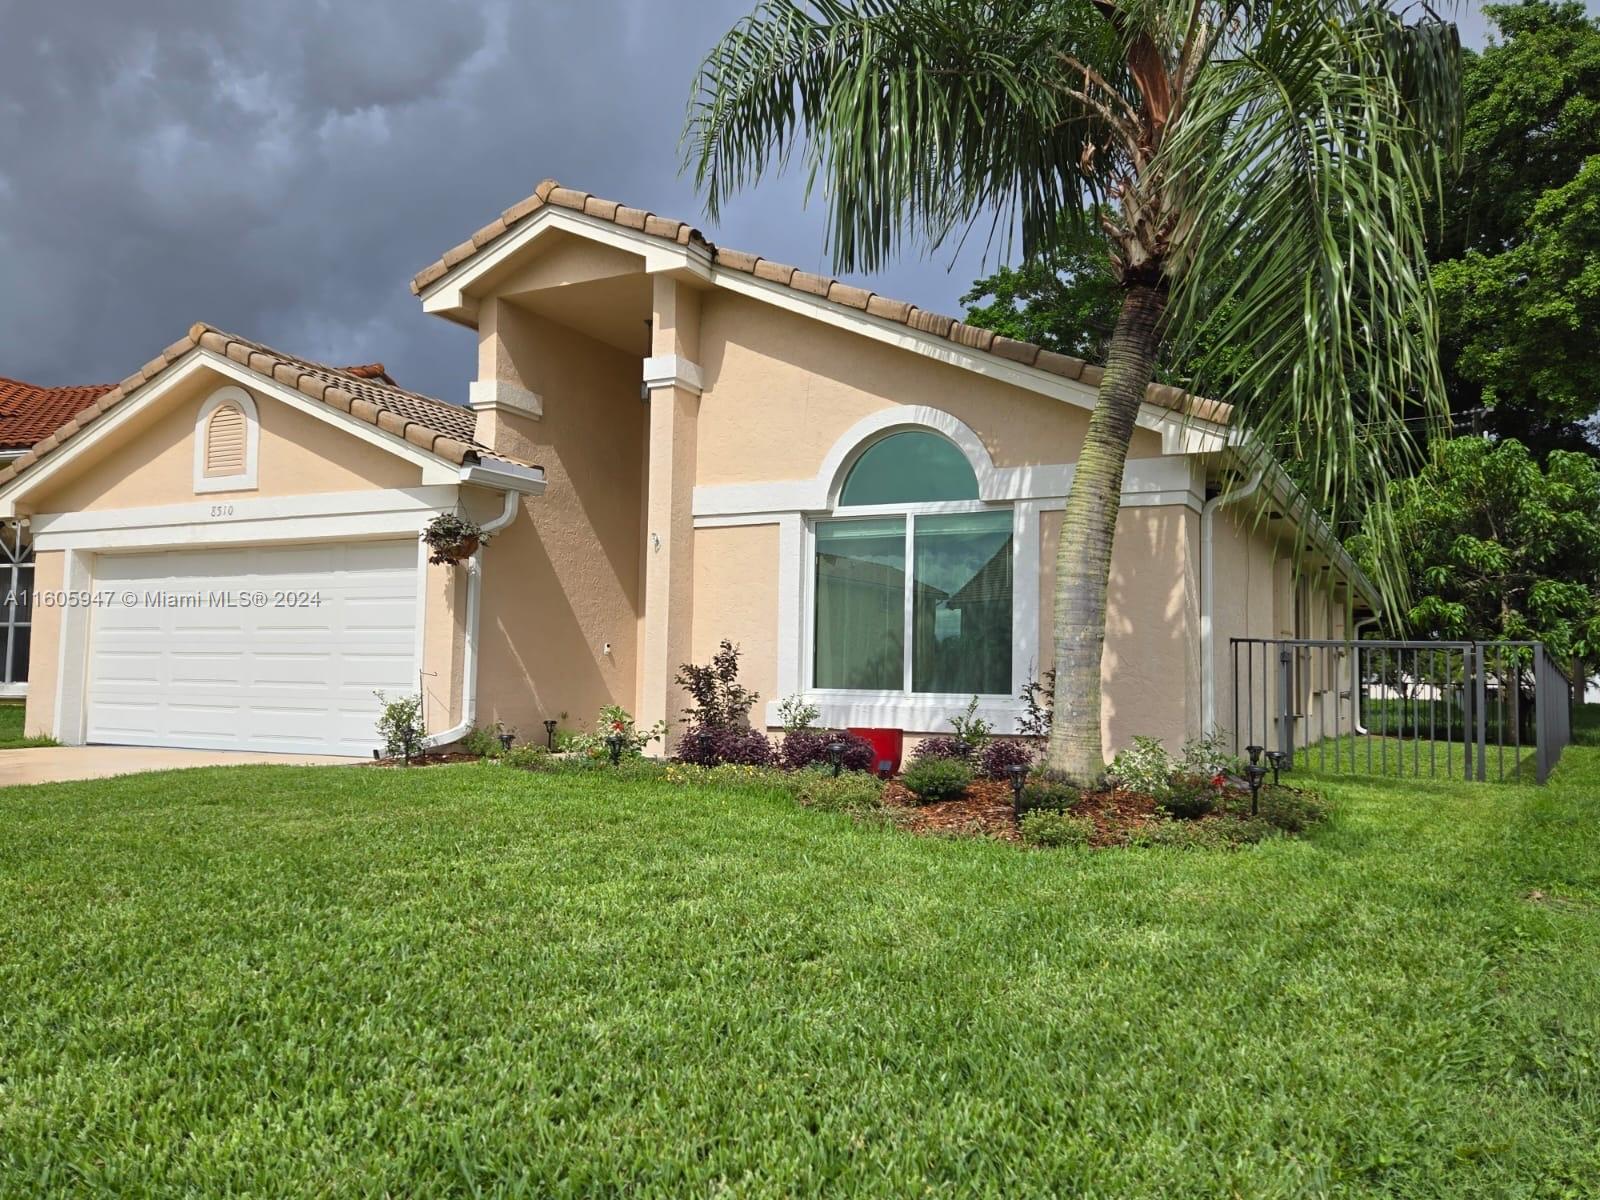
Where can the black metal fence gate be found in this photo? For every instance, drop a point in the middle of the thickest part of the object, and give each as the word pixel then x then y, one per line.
pixel 1469 710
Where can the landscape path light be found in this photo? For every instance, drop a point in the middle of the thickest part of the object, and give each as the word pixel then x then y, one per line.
pixel 615 743
pixel 836 755
pixel 1257 775
pixel 1279 761
pixel 1019 780
pixel 550 735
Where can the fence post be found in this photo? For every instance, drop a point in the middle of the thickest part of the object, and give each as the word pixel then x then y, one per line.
pixel 1541 717
pixel 1286 704
pixel 1481 703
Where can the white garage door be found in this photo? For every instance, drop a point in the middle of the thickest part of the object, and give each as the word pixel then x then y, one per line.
pixel 252 648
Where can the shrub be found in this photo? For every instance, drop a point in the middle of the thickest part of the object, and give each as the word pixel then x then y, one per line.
pixel 997 758
pixel 941 747
pixel 527 757
pixel 1289 809
pixel 1038 698
pixel 613 720
pixel 484 740
pixel 1144 767
pixel 1045 827
pixel 971 728
pixel 851 792
pixel 809 748
pixel 720 701
pixel 1188 797
pixel 1209 756
pixel 1223 833
pixel 796 716
pixel 707 747
pixel 400 724
pixel 935 779
pixel 1049 795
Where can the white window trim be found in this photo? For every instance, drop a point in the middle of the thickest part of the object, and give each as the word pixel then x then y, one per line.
pixel 245 481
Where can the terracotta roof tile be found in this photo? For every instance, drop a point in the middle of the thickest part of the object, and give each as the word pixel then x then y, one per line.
pixel 46 418
pixel 550 193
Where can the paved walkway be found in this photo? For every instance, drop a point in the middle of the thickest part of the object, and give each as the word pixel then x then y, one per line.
pixel 53 764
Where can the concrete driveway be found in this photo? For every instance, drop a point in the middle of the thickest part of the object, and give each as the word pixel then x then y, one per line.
pixel 54 764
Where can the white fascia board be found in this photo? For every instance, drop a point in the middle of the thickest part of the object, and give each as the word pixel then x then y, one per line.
pixel 448 293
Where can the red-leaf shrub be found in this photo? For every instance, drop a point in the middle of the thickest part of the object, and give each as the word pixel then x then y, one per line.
pixel 809 748
pixel 708 747
pixel 999 757
pixel 941 747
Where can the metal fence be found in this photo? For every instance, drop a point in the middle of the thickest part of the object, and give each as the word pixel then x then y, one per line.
pixel 1468 710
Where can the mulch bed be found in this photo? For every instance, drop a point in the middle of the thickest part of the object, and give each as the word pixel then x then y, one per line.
pixel 986 811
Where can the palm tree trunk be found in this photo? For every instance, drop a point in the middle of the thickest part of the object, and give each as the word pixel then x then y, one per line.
pixel 1083 554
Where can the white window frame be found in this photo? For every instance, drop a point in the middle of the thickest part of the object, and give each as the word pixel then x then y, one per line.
pixel 16 552
pixel 245 481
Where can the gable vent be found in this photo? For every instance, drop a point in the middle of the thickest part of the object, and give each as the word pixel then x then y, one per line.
pixel 225 441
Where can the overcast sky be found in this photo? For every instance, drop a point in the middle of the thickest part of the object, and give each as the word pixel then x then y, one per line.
pixel 282 169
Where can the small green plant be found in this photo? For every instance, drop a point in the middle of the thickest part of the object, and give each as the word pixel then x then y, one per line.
pixel 400 725
pixel 613 721
pixel 1041 793
pixel 1189 797
pixel 452 537
pixel 1223 833
pixel 853 791
pixel 972 729
pixel 796 716
pixel 1045 827
pixel 1144 767
pixel 484 740
pixel 527 757
pixel 934 779
pixel 1292 810
pixel 1210 756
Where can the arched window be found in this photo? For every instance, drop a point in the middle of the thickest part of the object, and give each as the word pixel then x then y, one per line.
pixel 225 437
pixel 913 576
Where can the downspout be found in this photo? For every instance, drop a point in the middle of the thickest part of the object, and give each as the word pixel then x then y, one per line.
pixel 1355 675
pixel 1208 665
pixel 469 649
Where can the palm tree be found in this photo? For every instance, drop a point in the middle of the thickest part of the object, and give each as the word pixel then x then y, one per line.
pixel 1265 165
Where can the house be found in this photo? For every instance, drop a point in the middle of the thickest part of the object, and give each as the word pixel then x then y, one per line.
pixel 669 443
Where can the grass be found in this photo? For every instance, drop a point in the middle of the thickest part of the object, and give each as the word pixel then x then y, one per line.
pixel 467 980
pixel 11 718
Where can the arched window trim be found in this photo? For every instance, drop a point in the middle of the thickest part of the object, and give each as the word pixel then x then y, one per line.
pixel 244 481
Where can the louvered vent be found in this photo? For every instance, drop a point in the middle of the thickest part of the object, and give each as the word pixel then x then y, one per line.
pixel 225 441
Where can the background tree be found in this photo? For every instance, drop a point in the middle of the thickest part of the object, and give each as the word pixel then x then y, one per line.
pixel 1498 547
pixel 1285 148
pixel 1519 270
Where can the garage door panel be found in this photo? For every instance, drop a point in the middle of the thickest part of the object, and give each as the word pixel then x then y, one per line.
pixel 292 679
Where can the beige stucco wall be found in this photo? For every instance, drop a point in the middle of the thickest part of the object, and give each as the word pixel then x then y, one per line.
pixel 781 389
pixel 45 648
pixel 1150 671
pixel 151 462
pixel 736 597
pixel 563 581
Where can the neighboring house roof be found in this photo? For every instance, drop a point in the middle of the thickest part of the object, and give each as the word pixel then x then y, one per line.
pixel 365 392
pixel 29 412
pixel 847 296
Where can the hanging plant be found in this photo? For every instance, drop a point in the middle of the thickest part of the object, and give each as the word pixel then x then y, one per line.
pixel 452 538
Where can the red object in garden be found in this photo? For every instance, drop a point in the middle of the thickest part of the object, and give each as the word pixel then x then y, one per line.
pixel 887 747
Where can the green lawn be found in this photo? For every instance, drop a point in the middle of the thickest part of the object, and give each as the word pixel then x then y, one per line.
pixel 467 980
pixel 11 714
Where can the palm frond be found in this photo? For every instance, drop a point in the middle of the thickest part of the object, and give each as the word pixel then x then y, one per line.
pixel 915 117
pixel 1309 147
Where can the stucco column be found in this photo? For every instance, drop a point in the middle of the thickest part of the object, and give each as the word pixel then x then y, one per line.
pixel 672 381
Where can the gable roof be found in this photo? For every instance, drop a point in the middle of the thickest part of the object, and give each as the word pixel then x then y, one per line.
pixel 29 412
pixel 971 337
pixel 364 392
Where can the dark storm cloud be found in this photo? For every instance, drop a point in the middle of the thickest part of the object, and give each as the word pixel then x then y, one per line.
pixel 282 167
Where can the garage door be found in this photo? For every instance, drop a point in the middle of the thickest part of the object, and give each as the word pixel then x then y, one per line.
pixel 252 648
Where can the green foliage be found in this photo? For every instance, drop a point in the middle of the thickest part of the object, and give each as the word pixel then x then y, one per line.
pixel 451 537
pixel 400 725
pixel 1050 828
pixel 1186 796
pixel 1217 833
pixel 447 936
pixel 795 715
pixel 1291 809
pixel 1065 300
pixel 971 730
pixel 851 792
pixel 1496 547
pixel 720 700
pixel 527 756
pixel 13 715
pixel 1143 767
pixel 1051 795
pixel 484 740
pixel 1519 251
pixel 934 779
pixel 614 720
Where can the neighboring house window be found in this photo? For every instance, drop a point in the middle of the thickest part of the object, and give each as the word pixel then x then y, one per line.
pixel 225 440
pixel 913 582
pixel 16 576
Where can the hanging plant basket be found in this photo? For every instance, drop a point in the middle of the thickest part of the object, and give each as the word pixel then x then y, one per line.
pixel 452 538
